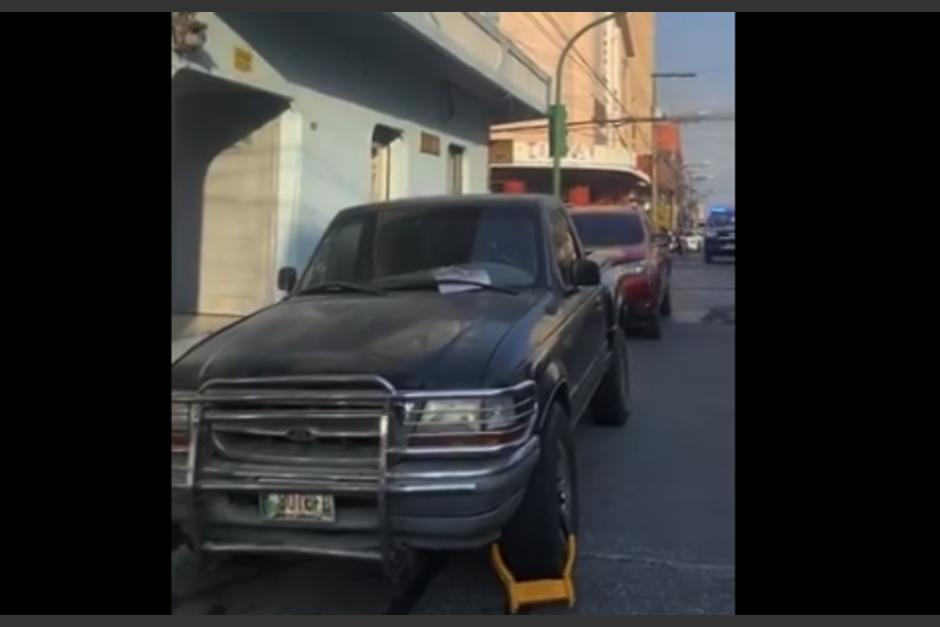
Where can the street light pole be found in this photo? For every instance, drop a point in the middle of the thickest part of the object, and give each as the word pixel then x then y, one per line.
pixel 556 154
pixel 654 157
pixel 654 154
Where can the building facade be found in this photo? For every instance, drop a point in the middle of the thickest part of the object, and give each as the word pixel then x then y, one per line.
pixel 670 214
pixel 607 75
pixel 280 120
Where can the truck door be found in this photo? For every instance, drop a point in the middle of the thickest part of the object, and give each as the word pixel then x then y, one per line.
pixel 584 314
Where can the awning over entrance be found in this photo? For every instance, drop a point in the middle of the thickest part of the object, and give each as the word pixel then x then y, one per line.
pixel 589 173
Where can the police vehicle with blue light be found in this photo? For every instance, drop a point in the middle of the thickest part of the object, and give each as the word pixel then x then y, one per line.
pixel 719 233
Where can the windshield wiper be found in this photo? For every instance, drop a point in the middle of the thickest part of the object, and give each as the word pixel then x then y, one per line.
pixel 433 283
pixel 339 286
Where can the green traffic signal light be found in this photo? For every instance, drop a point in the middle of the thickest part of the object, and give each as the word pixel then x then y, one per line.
pixel 558 130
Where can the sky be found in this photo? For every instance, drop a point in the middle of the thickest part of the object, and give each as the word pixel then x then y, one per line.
pixel 702 43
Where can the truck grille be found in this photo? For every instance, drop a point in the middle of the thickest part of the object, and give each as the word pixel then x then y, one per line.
pixel 307 424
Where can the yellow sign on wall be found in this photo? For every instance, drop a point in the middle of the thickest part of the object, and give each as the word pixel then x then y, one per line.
pixel 243 59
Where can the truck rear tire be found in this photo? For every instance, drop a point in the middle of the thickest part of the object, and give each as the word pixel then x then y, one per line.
pixel 611 402
pixel 654 327
pixel 534 543
pixel 666 307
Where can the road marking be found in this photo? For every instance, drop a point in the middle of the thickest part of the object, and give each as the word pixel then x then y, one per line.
pixel 689 315
pixel 651 561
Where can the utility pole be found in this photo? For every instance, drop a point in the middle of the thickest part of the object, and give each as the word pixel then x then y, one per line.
pixel 557 116
pixel 654 157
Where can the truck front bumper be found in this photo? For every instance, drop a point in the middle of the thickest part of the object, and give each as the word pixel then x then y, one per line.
pixel 720 247
pixel 429 504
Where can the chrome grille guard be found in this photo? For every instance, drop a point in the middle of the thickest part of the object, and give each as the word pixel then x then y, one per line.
pixel 364 409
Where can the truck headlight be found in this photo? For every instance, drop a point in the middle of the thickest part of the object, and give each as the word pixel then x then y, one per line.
pixel 634 267
pixel 450 416
pixel 179 427
pixel 466 415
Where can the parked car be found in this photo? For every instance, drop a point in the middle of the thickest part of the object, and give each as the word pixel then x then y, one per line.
pixel 676 244
pixel 416 390
pixel 693 242
pixel 636 264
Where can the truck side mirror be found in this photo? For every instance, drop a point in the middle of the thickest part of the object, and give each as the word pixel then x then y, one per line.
pixel 585 272
pixel 286 279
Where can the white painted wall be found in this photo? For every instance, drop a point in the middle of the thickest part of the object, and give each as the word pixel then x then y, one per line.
pixel 339 92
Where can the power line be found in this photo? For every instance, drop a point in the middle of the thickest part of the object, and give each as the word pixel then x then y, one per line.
pixel 585 63
pixel 582 62
pixel 550 38
pixel 601 80
pixel 678 119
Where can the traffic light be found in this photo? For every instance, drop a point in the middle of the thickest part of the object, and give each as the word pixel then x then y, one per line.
pixel 558 130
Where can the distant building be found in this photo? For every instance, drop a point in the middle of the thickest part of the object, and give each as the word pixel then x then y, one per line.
pixel 607 75
pixel 282 119
pixel 669 177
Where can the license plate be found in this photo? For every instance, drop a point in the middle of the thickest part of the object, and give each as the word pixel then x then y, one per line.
pixel 313 507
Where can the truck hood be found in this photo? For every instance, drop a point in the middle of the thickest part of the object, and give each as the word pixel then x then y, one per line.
pixel 416 340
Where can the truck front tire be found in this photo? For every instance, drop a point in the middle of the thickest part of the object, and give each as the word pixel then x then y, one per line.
pixel 611 402
pixel 534 543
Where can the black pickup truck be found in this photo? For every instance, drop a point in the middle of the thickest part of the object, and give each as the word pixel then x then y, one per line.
pixel 416 390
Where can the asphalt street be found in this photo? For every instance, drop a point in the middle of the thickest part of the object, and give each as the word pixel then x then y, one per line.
pixel 657 500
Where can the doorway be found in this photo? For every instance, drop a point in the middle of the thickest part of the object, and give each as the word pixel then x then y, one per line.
pixel 225 196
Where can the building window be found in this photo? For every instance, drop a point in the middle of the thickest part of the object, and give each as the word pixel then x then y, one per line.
pixel 600 130
pixel 455 169
pixel 382 139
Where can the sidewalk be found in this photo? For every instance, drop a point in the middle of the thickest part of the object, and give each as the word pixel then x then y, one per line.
pixel 187 329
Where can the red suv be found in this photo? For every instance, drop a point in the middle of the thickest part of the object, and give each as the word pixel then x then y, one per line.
pixel 635 262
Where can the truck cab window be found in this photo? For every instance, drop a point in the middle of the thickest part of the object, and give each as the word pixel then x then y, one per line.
pixel 566 250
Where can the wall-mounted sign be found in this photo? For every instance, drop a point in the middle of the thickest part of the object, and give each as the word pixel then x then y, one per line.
pixel 243 59
pixel 430 144
pixel 576 152
pixel 501 151
pixel 508 151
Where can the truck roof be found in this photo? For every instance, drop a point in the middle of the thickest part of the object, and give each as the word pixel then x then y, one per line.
pixel 454 201
pixel 573 209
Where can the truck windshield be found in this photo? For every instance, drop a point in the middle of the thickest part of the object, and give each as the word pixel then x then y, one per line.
pixel 496 245
pixel 601 230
